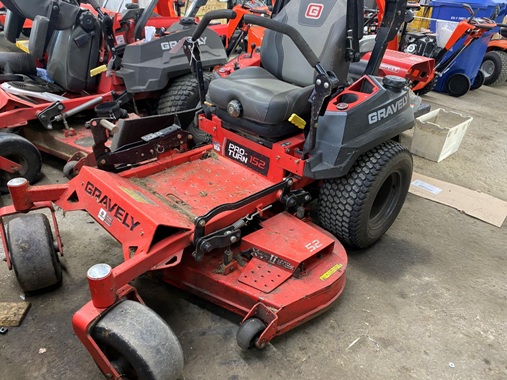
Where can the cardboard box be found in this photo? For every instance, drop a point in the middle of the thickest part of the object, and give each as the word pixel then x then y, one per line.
pixel 211 5
pixel 439 133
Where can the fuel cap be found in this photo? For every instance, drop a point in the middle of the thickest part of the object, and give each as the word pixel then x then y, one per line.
pixel 394 83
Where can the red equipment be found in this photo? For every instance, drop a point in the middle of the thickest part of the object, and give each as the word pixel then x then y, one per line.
pixel 230 221
pixel 18 106
pixel 423 71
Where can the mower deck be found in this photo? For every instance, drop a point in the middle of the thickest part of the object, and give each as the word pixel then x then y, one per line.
pixel 61 143
pixel 271 286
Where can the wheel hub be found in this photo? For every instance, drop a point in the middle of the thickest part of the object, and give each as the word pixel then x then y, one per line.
pixel 385 200
pixel 488 67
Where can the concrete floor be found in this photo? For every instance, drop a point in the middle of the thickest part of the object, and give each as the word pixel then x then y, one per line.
pixel 427 302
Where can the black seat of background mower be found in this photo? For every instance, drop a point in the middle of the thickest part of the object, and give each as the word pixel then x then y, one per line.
pixel 69 63
pixel 282 86
pixel 72 50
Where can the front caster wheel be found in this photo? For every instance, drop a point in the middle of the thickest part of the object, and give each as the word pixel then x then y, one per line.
pixel 32 252
pixel 249 332
pixel 138 343
pixel 68 169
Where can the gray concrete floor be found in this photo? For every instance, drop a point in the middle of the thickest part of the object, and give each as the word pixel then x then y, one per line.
pixel 426 302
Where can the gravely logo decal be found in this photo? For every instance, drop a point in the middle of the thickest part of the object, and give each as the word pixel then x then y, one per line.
pixel 111 207
pixel 170 44
pixel 387 111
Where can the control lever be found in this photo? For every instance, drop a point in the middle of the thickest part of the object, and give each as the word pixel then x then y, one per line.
pixel 252 47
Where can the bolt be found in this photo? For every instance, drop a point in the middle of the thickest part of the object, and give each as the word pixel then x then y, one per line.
pixel 308 198
pixel 234 239
pixel 202 222
pixel 178 136
pixel 290 182
pixel 297 162
pixel 103 162
pixel 326 85
pixel 207 247
pixel 277 158
pixel 287 150
pixel 318 82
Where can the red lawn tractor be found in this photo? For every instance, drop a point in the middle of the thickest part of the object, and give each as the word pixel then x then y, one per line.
pixel 494 64
pixel 93 58
pixel 229 220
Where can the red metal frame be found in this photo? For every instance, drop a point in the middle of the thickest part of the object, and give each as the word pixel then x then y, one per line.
pixel 298 269
pixel 9 166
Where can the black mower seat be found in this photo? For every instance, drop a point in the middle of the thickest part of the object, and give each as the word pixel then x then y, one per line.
pixel 263 96
pixel 270 94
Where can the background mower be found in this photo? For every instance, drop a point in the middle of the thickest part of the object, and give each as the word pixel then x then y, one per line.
pixel 94 60
pixel 494 63
pixel 229 221
pixel 417 56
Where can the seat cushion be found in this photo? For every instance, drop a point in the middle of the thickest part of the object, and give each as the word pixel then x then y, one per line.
pixel 264 98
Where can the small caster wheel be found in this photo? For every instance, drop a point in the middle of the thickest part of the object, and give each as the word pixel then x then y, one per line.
pixel 68 169
pixel 20 150
pixel 32 252
pixel 249 332
pixel 138 343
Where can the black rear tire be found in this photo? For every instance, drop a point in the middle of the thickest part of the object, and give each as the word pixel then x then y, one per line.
pixel 138 343
pixel 23 152
pixel 359 207
pixel 183 94
pixel 32 252
pixel 494 64
pixel 478 81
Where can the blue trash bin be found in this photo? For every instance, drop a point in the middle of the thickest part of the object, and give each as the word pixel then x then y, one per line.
pixel 463 71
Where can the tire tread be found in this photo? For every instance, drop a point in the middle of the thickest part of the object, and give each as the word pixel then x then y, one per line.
pixel 342 200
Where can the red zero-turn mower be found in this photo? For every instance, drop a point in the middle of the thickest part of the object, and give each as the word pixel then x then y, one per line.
pixel 229 221
pixel 96 58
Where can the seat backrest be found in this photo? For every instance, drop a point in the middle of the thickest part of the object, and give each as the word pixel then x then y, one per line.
pixel 69 63
pixel 322 23
pixel 38 36
pixel 13 26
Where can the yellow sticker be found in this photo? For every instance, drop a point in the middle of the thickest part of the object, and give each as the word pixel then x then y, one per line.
pixel 330 272
pixel 137 196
